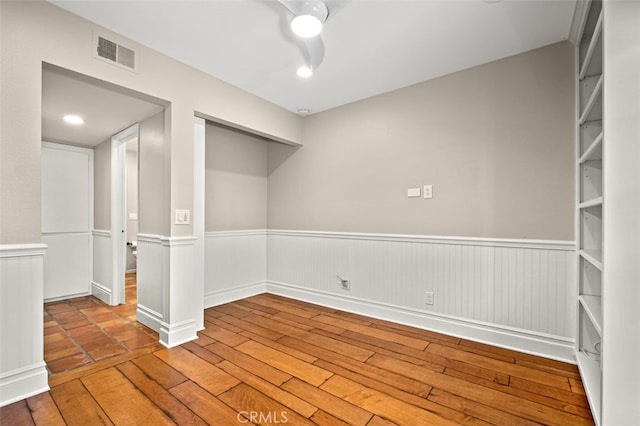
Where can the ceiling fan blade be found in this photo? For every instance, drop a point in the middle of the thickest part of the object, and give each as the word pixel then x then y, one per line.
pixel 313 51
pixel 335 5
pixel 316 8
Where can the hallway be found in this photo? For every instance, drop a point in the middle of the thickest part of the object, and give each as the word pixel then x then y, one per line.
pixel 84 330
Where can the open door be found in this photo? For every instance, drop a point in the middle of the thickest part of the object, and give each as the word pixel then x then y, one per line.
pixel 119 210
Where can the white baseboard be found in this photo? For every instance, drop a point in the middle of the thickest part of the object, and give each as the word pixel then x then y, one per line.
pixel 554 347
pixel 174 334
pixel 69 296
pixel 101 292
pixel 149 317
pixel 130 271
pixel 221 297
pixel 23 383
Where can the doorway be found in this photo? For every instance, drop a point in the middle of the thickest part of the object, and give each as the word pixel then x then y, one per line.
pixel 95 319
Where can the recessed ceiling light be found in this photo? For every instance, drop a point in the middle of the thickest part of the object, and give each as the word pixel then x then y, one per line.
pixel 304 72
pixel 76 120
pixel 303 111
pixel 306 26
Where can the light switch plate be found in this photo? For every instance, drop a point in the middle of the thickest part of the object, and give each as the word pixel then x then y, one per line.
pixel 183 217
pixel 428 191
pixel 133 216
pixel 413 192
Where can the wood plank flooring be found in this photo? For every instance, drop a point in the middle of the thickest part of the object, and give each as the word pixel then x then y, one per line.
pixel 272 360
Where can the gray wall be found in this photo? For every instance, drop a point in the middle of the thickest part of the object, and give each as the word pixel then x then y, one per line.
pixel 235 180
pixel 153 183
pixel 102 186
pixel 36 32
pixel 495 141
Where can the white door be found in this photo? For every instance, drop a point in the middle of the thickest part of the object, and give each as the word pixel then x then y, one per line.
pixel 119 210
pixel 67 210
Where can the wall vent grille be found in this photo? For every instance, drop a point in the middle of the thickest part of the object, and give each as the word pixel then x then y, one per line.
pixel 115 53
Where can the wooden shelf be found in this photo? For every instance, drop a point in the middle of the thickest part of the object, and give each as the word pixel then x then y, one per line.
pixel 594 257
pixel 592 381
pixel 589 211
pixel 593 105
pixel 591 203
pixel 592 305
pixel 594 152
pixel 589 58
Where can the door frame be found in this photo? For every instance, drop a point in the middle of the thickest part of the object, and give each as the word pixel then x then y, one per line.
pixel 119 210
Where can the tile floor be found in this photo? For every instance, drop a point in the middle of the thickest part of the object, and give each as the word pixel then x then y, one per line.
pixel 84 330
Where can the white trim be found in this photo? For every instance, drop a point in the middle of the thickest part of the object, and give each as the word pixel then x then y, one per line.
pixel 554 347
pixel 471 241
pixel 178 241
pixel 198 218
pixel 150 238
pixel 149 317
pixel 66 296
pixel 21 250
pixel 174 334
pixel 215 298
pixel 101 292
pixel 101 233
pixel 166 241
pixel 239 233
pixel 261 135
pixel 578 21
pixel 23 383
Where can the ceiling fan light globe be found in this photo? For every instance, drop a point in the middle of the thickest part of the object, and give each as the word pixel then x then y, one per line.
pixel 304 72
pixel 306 26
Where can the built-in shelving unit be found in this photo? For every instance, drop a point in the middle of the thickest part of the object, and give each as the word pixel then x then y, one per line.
pixel 591 204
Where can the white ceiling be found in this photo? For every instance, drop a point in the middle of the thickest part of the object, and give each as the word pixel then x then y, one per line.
pixel 105 111
pixel 371 46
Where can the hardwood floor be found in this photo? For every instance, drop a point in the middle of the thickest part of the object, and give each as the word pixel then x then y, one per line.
pixel 272 360
pixel 84 330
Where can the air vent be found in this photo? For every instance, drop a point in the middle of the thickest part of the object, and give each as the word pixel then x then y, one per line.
pixel 114 53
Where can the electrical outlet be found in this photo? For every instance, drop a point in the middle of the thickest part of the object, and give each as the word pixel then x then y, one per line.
pixel 344 284
pixel 429 300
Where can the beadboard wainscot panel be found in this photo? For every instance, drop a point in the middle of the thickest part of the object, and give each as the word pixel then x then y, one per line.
pixel 517 294
pixel 23 372
pixel 235 265
pixel 168 300
pixel 184 309
pixel 102 282
pixel 152 281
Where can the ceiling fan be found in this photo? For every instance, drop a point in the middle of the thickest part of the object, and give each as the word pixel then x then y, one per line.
pixel 306 18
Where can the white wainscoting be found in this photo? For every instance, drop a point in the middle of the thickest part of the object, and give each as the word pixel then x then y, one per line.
pixel 67 266
pixel 168 300
pixel 102 282
pixel 151 281
pixel 517 294
pixel 23 372
pixel 235 265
